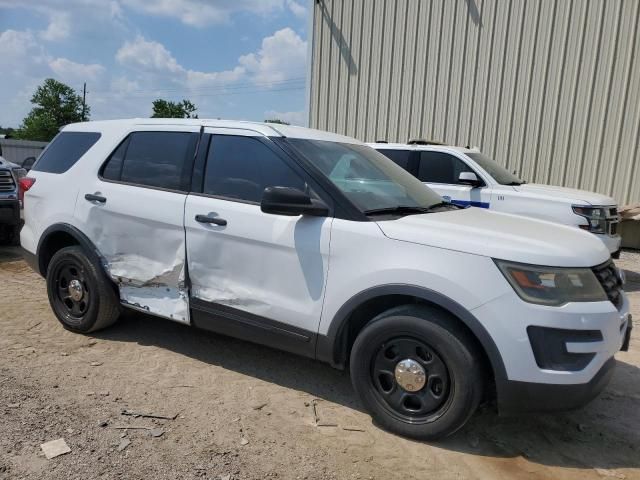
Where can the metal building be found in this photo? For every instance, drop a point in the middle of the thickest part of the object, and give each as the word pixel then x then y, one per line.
pixel 549 88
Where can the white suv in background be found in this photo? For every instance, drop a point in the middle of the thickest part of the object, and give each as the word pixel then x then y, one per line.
pixel 468 177
pixel 314 243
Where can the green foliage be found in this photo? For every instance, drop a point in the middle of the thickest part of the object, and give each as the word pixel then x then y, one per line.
pixel 277 120
pixel 167 109
pixel 56 105
pixel 9 131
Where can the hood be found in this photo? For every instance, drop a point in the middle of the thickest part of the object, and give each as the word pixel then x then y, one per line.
pixel 7 163
pixel 563 193
pixel 500 235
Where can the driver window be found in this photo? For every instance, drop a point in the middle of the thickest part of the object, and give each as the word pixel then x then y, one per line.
pixel 240 168
pixel 439 167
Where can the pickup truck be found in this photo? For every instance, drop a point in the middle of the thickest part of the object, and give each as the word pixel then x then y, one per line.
pixel 10 201
pixel 466 176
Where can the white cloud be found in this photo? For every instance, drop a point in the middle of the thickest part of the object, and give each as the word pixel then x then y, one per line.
pixel 142 54
pixel 153 58
pixel 15 44
pixel 297 9
pixel 70 70
pixel 59 27
pixel 281 56
pixel 294 118
pixel 200 13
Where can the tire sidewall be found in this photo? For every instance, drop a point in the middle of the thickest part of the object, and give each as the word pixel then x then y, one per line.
pixel 464 377
pixel 77 255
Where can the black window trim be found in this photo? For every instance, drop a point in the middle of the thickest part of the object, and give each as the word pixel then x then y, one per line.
pixel 189 162
pixel 290 162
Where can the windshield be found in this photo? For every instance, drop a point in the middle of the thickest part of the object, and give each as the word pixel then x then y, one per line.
pixel 367 178
pixel 497 171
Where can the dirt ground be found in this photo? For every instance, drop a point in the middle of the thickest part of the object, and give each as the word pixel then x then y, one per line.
pixel 244 411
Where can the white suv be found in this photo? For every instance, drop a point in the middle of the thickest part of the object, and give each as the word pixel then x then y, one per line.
pixel 468 177
pixel 315 243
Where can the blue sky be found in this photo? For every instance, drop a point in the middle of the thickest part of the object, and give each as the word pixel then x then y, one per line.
pixel 237 59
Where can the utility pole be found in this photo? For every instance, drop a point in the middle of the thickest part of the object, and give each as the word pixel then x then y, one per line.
pixel 84 101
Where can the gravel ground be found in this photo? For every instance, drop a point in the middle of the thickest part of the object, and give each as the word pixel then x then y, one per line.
pixel 244 411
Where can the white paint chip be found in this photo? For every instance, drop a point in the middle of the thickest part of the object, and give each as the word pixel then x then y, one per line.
pixel 55 448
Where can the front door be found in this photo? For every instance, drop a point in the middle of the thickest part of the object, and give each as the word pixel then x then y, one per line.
pixel 254 273
pixel 133 212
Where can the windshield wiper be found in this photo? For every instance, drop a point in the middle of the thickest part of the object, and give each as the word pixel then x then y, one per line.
pixel 514 184
pixel 400 210
pixel 408 210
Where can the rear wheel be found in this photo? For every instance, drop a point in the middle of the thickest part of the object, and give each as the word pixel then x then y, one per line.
pixel 80 294
pixel 418 373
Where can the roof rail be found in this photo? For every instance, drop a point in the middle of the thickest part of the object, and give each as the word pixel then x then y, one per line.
pixel 419 141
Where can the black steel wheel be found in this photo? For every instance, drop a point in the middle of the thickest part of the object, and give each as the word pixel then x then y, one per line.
pixel 81 296
pixel 72 293
pixel 417 371
pixel 411 379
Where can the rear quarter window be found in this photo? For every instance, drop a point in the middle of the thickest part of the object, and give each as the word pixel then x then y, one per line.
pixel 64 151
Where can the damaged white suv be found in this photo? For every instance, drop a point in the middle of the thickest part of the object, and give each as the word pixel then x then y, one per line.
pixel 315 243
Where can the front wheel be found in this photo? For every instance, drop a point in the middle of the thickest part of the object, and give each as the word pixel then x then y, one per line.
pixel 80 294
pixel 417 372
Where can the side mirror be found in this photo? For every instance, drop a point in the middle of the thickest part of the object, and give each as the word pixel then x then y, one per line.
pixel 291 202
pixel 469 178
pixel 28 162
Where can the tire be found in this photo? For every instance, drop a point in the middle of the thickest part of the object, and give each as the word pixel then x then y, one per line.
pixel 94 304
pixel 446 358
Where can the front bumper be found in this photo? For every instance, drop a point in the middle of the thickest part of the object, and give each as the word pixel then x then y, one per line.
pixel 526 397
pixel 612 242
pixel 550 384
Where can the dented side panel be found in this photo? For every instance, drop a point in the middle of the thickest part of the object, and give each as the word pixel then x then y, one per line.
pixel 273 266
pixel 140 234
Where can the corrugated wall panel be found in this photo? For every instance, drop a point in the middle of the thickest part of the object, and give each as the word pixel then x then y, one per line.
pixel 547 87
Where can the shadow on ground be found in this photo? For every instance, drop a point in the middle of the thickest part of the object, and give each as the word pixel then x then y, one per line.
pixel 9 254
pixel 605 434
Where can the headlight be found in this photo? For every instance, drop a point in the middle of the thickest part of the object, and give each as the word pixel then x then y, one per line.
pixel 596 218
pixel 552 286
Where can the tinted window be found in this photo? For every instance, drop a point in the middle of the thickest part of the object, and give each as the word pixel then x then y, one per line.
pixel 154 159
pixel 113 167
pixel 399 157
pixel 242 167
pixel 497 171
pixel 438 167
pixel 64 151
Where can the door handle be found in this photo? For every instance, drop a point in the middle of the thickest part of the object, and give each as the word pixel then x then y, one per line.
pixel 95 198
pixel 207 219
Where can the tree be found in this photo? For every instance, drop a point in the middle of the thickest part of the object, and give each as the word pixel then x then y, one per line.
pixel 56 105
pixel 167 109
pixel 276 120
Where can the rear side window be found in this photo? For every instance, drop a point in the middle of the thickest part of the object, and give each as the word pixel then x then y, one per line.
pixel 64 151
pixel 438 167
pixel 242 167
pixel 153 159
pixel 399 157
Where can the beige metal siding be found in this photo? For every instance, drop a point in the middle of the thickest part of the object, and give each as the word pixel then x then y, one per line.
pixel 550 88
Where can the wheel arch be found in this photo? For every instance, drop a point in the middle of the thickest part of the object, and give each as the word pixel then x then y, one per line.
pixel 59 236
pixel 334 347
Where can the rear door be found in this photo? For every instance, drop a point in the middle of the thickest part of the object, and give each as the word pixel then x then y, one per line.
pixel 254 273
pixel 133 212
pixel 440 171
